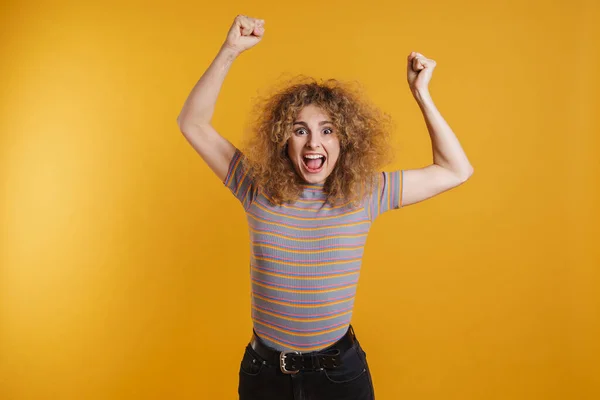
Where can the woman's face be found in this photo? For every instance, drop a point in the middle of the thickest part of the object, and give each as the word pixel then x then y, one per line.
pixel 314 146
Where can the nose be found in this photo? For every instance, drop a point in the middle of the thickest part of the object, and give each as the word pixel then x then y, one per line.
pixel 313 142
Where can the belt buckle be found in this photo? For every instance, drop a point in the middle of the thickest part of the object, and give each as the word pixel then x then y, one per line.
pixel 282 364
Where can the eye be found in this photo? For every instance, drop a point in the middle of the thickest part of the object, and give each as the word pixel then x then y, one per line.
pixel 300 131
pixel 328 131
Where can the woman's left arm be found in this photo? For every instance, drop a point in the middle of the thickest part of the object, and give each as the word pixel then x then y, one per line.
pixel 450 166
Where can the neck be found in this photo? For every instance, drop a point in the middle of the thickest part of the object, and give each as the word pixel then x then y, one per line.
pixel 307 184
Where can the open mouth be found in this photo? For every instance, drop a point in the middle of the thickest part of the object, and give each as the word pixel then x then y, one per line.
pixel 313 163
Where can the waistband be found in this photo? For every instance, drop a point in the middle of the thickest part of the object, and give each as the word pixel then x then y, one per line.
pixel 292 362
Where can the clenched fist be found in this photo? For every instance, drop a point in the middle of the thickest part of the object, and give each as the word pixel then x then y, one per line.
pixel 245 32
pixel 419 70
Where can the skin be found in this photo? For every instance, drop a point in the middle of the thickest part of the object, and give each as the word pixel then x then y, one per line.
pixel 313 133
pixel 450 167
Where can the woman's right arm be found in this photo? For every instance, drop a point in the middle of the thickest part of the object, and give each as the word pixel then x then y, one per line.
pixel 195 118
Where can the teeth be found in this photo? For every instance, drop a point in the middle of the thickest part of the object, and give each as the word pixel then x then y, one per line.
pixel 313 156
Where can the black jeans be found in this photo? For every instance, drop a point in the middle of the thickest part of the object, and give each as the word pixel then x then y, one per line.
pixel 351 381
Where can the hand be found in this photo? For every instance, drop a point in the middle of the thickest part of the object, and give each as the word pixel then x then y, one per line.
pixel 245 32
pixel 419 70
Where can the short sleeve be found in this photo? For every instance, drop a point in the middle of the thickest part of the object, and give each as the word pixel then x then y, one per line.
pixel 387 193
pixel 238 180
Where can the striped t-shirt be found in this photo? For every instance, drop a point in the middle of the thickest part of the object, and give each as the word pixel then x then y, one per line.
pixel 305 258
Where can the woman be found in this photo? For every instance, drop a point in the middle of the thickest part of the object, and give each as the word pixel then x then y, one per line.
pixel 311 187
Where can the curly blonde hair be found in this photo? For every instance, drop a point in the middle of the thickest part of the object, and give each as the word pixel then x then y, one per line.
pixel 363 131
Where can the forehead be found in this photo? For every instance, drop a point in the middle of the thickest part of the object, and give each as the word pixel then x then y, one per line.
pixel 312 113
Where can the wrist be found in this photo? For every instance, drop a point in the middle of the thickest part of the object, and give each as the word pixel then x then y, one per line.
pixel 422 96
pixel 229 51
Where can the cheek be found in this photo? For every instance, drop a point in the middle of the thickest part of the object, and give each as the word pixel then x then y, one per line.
pixel 334 158
pixel 292 151
pixel 334 149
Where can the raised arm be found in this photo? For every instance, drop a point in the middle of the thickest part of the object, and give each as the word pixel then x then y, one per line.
pixel 195 117
pixel 450 167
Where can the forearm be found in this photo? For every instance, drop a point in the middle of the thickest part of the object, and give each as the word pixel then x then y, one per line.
pixel 199 107
pixel 447 151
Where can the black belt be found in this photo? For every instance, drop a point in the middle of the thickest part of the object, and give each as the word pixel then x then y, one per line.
pixel 294 361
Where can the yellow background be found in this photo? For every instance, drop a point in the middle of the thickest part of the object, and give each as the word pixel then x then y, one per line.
pixel 124 260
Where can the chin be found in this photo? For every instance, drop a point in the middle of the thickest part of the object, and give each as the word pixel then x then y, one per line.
pixel 315 178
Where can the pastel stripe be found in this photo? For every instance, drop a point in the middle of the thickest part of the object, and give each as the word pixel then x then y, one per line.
pixel 305 257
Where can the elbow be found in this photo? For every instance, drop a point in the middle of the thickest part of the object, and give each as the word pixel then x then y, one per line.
pixel 180 122
pixel 184 127
pixel 183 122
pixel 465 175
pixel 187 123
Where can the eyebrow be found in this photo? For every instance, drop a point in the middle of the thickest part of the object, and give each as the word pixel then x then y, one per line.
pixel 306 125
